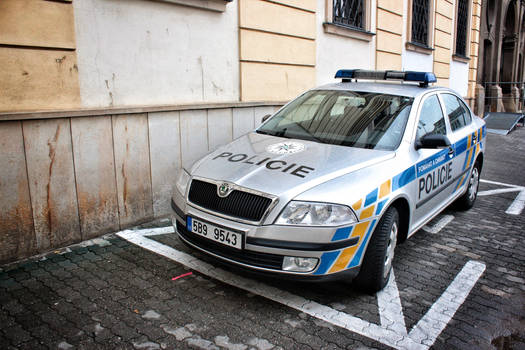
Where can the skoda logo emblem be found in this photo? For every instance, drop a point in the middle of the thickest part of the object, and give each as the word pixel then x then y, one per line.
pixel 223 190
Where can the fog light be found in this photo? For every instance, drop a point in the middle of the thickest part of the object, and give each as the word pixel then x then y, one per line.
pixel 297 264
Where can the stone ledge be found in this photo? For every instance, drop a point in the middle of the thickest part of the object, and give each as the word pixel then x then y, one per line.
pixel 212 5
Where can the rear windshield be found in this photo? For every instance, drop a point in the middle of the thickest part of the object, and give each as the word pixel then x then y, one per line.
pixel 346 118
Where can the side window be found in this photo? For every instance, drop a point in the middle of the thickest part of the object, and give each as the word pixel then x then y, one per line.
pixel 458 113
pixel 431 119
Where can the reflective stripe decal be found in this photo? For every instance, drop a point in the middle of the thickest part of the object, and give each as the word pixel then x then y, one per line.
pixel 348 253
pixel 357 257
pixel 371 198
pixel 327 259
pixel 384 189
pixel 342 233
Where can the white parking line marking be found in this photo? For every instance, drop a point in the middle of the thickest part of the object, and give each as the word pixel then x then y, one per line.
pixel 498 191
pixel 439 315
pixel 438 226
pixel 517 206
pixel 391 332
pixel 497 183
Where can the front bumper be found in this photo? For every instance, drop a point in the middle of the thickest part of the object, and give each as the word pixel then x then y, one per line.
pixel 263 253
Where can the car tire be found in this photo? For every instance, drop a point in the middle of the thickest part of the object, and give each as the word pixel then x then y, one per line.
pixel 466 201
pixel 377 263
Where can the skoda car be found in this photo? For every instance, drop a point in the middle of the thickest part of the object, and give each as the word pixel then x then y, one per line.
pixel 328 185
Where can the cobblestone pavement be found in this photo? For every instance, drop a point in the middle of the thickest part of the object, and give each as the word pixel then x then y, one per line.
pixel 110 293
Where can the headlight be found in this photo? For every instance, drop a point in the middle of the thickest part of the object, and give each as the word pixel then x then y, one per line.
pixel 182 181
pixel 316 214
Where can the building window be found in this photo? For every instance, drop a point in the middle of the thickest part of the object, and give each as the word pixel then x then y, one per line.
pixel 462 24
pixel 420 22
pixel 349 13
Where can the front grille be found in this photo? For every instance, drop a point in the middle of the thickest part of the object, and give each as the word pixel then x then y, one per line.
pixel 239 204
pixel 248 257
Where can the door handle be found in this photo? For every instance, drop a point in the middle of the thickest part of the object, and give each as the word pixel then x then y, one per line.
pixel 451 152
pixel 474 138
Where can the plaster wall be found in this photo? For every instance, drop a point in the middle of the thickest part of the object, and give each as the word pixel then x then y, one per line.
pixel 459 77
pixel 337 52
pixel 152 53
pixel 417 61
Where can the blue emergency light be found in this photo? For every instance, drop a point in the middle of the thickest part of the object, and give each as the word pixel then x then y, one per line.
pixel 423 78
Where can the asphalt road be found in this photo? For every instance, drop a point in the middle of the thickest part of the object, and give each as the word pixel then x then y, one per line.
pixel 459 284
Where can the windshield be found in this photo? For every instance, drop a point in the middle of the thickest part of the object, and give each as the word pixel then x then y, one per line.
pixel 347 118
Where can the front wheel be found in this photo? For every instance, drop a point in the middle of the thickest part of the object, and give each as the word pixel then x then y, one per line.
pixel 377 263
pixel 466 201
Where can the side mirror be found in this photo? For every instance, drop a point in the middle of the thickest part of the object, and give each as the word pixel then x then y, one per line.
pixel 433 141
pixel 265 118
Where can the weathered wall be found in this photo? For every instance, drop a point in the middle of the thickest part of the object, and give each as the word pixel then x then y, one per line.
pixel 338 51
pixel 152 53
pixel 389 42
pixel 277 48
pixel 65 179
pixel 37 55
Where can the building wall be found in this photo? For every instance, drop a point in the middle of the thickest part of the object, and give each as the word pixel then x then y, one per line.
pixel 77 175
pixel 277 48
pixel 145 87
pixel 338 50
pixel 389 39
pixel 152 53
pixel 37 55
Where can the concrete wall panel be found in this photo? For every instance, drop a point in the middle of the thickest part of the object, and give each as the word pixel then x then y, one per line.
pixel 194 136
pixel 243 121
pixel 96 183
pixel 52 182
pixel 17 235
pixel 220 127
pixel 164 142
pixel 132 164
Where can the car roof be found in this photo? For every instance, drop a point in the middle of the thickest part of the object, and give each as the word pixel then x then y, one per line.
pixel 394 88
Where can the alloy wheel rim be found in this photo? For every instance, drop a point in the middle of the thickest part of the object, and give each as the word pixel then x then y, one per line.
pixel 473 185
pixel 392 240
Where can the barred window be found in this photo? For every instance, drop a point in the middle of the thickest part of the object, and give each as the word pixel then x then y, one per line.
pixel 349 13
pixel 420 22
pixel 462 28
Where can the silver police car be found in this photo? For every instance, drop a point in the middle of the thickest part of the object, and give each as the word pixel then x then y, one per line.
pixel 336 178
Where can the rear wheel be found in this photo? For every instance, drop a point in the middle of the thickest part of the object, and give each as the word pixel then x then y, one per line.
pixel 377 263
pixel 466 201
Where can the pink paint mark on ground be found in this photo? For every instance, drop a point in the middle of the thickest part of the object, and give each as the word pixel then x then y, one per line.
pixel 181 276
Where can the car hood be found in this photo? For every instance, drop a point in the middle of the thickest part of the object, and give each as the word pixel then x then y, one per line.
pixel 249 162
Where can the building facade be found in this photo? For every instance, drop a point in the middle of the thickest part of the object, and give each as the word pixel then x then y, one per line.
pixel 502 46
pixel 102 101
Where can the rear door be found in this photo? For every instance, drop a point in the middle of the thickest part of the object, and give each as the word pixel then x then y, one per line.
pixel 464 139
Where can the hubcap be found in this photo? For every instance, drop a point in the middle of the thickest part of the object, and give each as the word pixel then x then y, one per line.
pixel 473 184
pixel 392 240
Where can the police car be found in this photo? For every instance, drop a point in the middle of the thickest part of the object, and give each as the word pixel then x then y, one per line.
pixel 328 185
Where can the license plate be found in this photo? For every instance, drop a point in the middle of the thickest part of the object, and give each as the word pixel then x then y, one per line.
pixel 215 233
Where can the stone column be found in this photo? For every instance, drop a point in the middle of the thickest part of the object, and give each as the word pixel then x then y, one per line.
pixel 496 101
pixel 479 101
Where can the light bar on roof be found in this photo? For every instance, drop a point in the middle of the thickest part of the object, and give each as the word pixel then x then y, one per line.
pixel 423 78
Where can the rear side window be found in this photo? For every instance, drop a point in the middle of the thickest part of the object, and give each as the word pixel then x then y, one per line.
pixel 431 119
pixel 458 113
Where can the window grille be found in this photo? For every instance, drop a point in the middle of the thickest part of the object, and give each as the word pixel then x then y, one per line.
pixel 420 10
pixel 461 28
pixel 349 13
